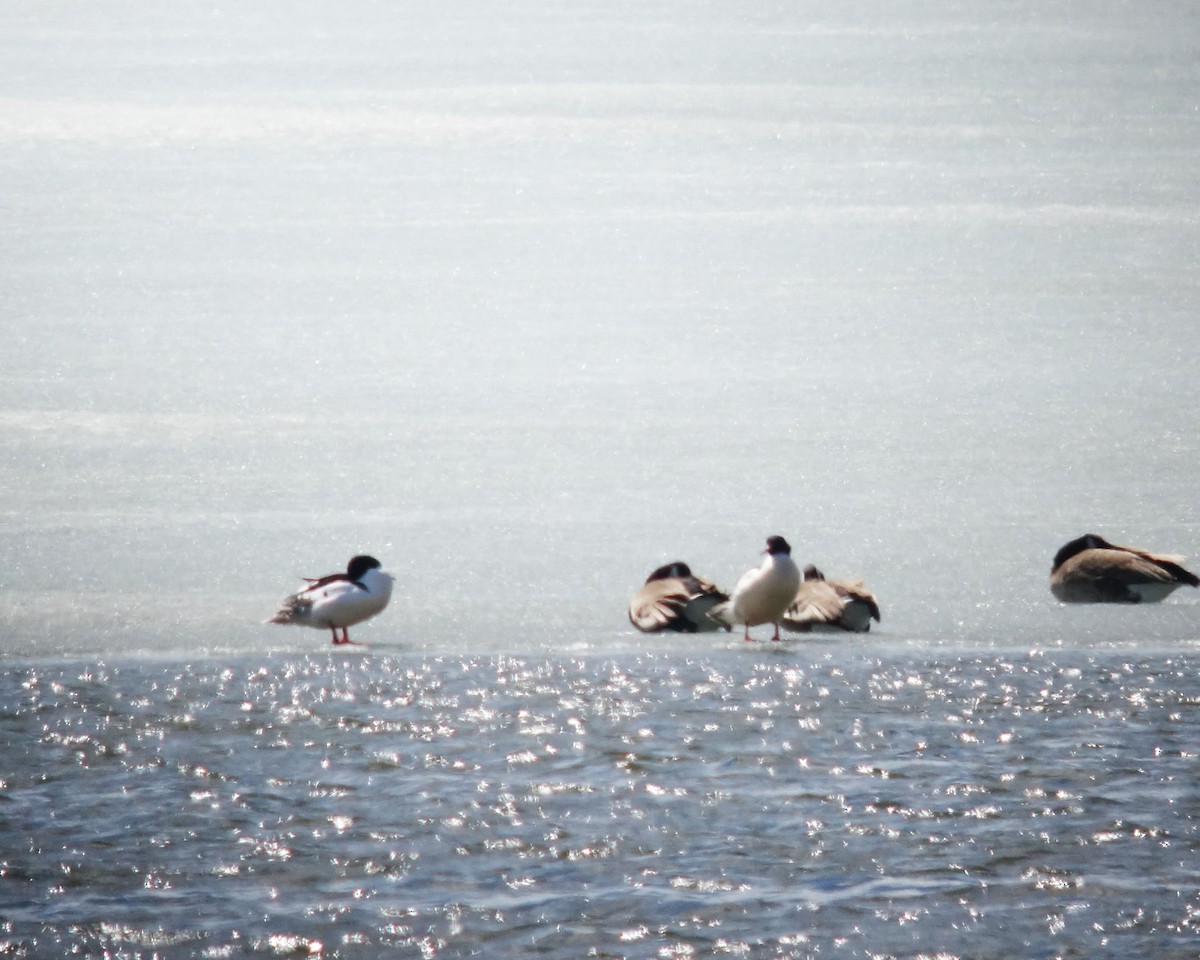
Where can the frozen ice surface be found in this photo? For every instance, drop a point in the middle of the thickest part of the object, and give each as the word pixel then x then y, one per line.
pixel 528 299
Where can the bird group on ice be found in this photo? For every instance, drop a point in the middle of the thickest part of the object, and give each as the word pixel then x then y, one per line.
pixel 1088 569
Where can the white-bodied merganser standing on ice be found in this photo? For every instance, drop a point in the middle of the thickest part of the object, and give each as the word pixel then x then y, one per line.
pixel 764 593
pixel 340 600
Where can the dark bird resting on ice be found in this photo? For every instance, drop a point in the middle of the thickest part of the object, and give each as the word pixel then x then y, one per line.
pixel 674 598
pixel 1089 569
pixel 824 605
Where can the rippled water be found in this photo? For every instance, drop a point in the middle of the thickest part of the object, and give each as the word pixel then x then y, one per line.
pixel 812 800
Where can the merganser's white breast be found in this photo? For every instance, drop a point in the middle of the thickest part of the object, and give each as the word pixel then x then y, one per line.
pixel 763 594
pixel 343 603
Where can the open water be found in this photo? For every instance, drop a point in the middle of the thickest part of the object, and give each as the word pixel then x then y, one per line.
pixel 526 299
pixel 810 802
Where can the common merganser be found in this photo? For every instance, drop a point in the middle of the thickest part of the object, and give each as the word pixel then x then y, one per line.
pixel 340 600
pixel 762 594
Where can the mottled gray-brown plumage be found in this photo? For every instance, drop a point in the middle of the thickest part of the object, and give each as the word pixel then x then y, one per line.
pixel 831 605
pixel 674 598
pixel 1089 569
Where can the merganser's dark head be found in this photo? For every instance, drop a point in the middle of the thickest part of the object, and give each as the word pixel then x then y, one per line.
pixel 358 566
pixel 778 545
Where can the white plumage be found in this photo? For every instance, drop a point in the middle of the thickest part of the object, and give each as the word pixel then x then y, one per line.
pixel 763 593
pixel 339 600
